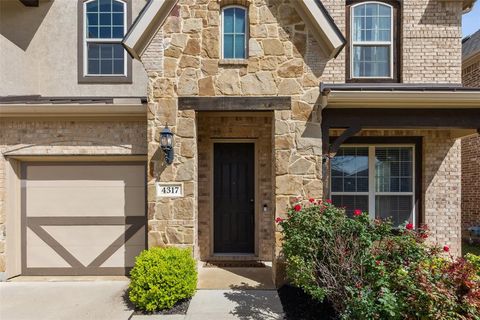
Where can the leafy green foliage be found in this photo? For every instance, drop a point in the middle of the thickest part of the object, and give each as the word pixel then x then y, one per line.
pixel 370 270
pixel 161 277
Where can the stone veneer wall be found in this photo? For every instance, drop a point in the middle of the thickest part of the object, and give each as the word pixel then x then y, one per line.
pixel 64 137
pixel 441 183
pixel 470 184
pixel 236 126
pixel 283 59
pixel 431 41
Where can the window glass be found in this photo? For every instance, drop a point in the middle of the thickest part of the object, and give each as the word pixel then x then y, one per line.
pixel 393 169
pixel 234 33
pixel 371 40
pixel 105 19
pixel 350 170
pixel 391 195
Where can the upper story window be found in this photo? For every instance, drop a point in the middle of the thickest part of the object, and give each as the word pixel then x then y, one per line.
pixel 103 58
pixel 234 32
pixel 372 41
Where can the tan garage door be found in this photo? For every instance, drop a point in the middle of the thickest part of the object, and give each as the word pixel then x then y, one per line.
pixel 82 219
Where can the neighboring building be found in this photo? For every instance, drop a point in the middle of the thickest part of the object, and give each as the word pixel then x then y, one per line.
pixel 471 145
pixel 360 101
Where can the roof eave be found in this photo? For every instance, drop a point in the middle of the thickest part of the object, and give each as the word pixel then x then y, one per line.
pixel 401 99
pixel 150 20
pixel 468 5
pixel 324 29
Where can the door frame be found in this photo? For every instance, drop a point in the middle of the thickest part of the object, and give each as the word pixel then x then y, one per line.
pixel 245 256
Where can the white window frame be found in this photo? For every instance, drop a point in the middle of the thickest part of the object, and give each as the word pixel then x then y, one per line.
pixel 372 193
pixel 370 43
pixel 222 27
pixel 86 41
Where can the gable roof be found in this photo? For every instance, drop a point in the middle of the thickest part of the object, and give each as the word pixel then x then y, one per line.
pixel 471 45
pixel 146 25
pixel 153 16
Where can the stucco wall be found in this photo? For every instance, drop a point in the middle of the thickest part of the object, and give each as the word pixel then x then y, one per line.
pixel 61 138
pixel 38 46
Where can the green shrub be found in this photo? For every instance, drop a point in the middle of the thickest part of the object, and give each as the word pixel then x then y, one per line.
pixel 161 277
pixel 369 270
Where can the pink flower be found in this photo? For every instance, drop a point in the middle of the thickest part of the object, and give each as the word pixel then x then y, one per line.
pixel 278 220
pixel 329 201
pixel 311 200
pixel 446 248
pixel 357 212
pixel 298 207
pixel 409 226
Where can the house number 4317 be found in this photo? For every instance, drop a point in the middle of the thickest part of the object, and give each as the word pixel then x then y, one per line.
pixel 169 190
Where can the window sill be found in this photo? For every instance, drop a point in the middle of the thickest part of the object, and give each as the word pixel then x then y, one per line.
pixel 105 79
pixel 233 62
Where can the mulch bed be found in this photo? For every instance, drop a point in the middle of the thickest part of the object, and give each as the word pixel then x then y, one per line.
pixel 180 307
pixel 297 305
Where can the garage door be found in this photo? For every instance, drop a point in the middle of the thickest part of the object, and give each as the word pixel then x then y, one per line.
pixel 82 219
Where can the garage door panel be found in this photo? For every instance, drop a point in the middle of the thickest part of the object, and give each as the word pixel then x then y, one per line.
pixel 124 255
pixel 130 175
pixel 39 254
pixel 86 217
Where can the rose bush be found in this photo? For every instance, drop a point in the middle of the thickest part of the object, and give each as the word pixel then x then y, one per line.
pixel 370 270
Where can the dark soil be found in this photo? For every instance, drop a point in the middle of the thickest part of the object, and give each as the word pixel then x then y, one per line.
pixel 180 307
pixel 297 305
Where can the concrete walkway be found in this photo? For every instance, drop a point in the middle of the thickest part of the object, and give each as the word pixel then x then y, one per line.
pixel 103 300
pixel 229 305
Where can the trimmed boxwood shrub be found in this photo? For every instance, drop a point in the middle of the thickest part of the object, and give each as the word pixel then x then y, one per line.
pixel 161 277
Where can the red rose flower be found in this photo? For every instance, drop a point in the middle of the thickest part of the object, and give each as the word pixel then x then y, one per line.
pixel 311 200
pixel 424 236
pixel 446 248
pixel 298 207
pixel 409 226
pixel 329 200
pixel 357 212
pixel 278 220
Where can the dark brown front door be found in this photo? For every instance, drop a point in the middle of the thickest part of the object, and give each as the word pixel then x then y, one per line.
pixel 234 198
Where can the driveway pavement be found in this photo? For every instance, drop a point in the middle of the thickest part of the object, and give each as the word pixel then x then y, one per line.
pixel 103 300
pixel 91 300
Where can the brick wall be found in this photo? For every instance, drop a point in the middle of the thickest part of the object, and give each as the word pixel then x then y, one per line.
pixel 64 138
pixel 470 183
pixel 431 37
pixel 248 126
pixel 471 73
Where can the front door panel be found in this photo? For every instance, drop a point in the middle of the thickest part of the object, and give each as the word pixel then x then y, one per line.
pixel 234 197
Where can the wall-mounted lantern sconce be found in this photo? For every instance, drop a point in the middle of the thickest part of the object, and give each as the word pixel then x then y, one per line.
pixel 166 143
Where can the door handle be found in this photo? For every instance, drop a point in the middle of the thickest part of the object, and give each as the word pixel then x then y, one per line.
pixel 252 200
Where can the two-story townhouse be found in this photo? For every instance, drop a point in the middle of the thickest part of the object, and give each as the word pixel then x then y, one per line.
pixel 72 138
pixel 471 145
pixel 252 103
